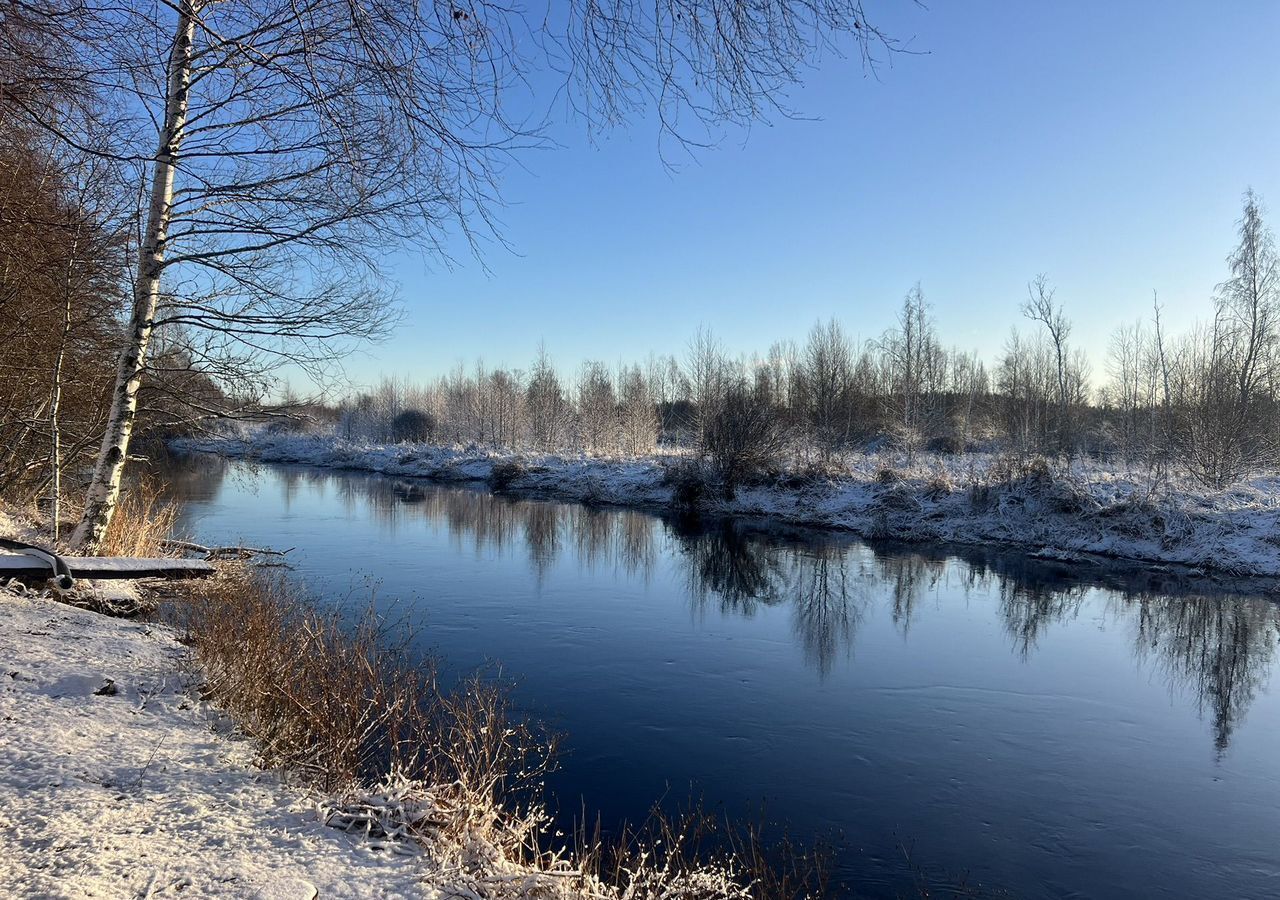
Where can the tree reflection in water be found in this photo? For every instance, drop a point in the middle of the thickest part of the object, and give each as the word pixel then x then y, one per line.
pixel 1222 652
pixel 1217 646
pixel 828 602
pixel 729 567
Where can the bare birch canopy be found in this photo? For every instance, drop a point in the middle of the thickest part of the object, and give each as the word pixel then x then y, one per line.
pixel 321 135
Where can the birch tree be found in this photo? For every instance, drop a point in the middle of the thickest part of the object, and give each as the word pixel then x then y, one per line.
pixel 1228 427
pixel 1040 307
pixel 826 375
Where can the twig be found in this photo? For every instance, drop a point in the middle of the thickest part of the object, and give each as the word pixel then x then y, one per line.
pixel 223 552
pixel 143 774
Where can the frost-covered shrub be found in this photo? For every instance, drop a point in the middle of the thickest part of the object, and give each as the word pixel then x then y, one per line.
pixel 504 474
pixel 814 472
pixel 1065 496
pixel 939 485
pixel 887 476
pixel 1021 476
pixel 898 498
pixel 1008 470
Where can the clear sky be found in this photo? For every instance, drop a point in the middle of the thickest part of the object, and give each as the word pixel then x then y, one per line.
pixel 1105 144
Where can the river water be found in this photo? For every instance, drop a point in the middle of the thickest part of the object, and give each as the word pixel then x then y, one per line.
pixel 959 716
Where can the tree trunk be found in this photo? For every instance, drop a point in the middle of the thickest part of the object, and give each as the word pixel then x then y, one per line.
pixel 104 490
pixel 55 391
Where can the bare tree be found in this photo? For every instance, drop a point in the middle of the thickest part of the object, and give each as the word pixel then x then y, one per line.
pixel 825 375
pixel 1040 307
pixel 597 408
pixel 549 409
pixel 1124 366
pixel 1248 306
pixel 709 377
pixel 638 412
pixel 911 354
pixel 1229 417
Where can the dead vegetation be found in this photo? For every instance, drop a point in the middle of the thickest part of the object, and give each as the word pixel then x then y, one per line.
pixel 504 474
pixel 143 523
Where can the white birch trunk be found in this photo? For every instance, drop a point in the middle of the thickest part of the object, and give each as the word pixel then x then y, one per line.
pixel 104 490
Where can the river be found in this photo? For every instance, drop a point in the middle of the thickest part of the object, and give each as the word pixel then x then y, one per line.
pixel 953 715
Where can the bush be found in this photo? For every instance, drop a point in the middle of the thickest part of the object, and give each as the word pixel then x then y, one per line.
pixel 887 476
pixel 744 439
pixel 413 425
pixel 504 474
pixel 688 483
pixel 945 445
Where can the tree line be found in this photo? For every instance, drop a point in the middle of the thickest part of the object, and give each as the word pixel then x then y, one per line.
pixel 1204 402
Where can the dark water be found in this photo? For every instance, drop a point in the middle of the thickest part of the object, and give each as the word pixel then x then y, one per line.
pixel 1048 732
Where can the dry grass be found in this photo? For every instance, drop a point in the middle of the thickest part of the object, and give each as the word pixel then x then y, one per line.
pixel 939 485
pixel 888 476
pixel 143 521
pixel 343 704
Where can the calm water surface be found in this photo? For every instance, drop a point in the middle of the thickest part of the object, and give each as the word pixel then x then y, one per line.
pixel 1047 735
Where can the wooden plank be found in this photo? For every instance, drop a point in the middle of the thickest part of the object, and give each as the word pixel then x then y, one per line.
pixel 21 565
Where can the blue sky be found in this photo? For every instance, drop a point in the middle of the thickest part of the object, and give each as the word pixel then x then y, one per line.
pixel 1105 144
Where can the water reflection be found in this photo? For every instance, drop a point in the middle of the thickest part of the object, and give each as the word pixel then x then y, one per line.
pixel 1220 652
pixel 736 570
pixel 1209 644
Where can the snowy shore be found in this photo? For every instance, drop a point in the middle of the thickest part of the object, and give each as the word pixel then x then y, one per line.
pixel 115 781
pixel 974 499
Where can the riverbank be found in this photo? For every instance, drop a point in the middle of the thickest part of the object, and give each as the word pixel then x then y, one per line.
pixel 117 781
pixel 1087 509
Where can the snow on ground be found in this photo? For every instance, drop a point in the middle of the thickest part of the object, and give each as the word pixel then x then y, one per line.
pixel 116 783
pixel 1089 509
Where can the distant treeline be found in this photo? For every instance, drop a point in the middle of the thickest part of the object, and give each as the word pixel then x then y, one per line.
pixel 1204 402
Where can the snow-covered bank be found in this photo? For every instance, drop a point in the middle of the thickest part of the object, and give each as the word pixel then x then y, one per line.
pixel 116 782
pixel 966 499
